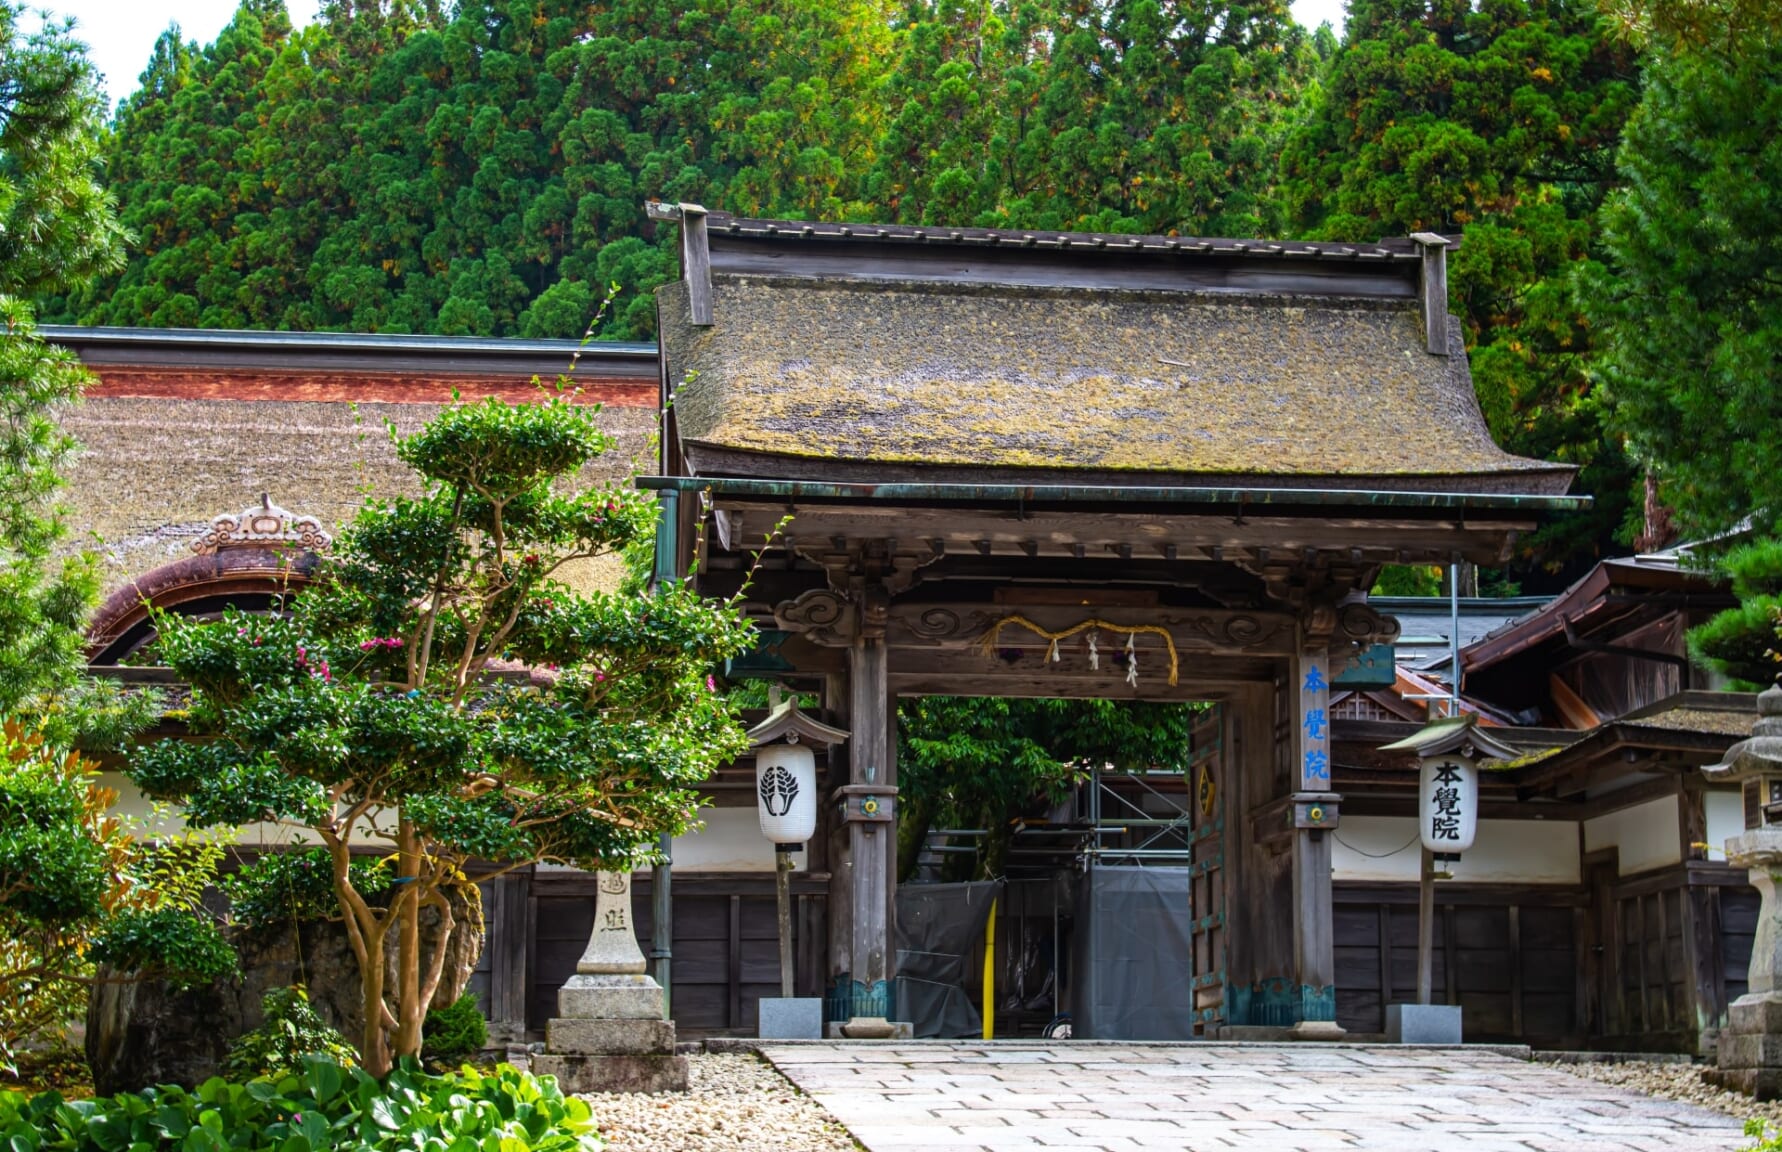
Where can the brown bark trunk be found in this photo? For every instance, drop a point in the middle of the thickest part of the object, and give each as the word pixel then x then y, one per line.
pixel 407 910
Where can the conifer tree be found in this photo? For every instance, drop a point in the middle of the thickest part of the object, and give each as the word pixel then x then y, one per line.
pixel 1498 123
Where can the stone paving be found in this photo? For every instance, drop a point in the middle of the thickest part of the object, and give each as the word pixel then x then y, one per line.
pixel 1082 1097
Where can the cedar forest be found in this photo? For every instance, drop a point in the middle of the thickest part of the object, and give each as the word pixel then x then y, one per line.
pixel 480 168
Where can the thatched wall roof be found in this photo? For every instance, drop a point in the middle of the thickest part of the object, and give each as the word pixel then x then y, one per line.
pixel 1121 384
pixel 153 472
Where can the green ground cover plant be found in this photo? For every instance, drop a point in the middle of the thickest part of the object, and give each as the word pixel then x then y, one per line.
pixel 322 1106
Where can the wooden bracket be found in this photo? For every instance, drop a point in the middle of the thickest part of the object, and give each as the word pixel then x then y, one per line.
pixel 1435 289
pixel 696 256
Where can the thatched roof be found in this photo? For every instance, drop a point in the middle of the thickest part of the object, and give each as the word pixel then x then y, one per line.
pixel 838 377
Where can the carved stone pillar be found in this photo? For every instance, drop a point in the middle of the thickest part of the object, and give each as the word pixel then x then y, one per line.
pixel 609 1034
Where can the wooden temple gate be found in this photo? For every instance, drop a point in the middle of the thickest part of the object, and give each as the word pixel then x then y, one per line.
pixel 962 462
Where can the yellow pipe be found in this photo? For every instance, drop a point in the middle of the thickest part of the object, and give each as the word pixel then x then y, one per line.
pixel 990 974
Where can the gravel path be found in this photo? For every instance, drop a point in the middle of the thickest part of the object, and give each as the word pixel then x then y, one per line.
pixel 734 1103
pixel 1677 1082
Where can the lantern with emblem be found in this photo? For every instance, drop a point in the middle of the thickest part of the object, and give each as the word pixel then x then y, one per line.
pixel 786 772
pixel 1450 752
pixel 785 745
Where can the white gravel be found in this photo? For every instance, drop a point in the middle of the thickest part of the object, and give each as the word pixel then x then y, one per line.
pixel 733 1102
pixel 1683 1082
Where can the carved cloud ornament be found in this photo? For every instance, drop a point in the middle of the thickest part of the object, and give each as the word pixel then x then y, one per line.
pixel 265 524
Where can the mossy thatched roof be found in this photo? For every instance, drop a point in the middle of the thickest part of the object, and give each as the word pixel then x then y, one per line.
pixel 1003 382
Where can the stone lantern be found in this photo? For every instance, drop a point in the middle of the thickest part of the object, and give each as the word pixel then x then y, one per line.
pixel 1751 1044
pixel 786 799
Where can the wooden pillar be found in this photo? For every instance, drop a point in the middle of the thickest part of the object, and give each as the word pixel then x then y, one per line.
pixel 867 803
pixel 837 850
pixel 1314 818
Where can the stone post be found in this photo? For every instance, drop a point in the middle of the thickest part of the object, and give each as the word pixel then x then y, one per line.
pixel 1751 1043
pixel 609 1034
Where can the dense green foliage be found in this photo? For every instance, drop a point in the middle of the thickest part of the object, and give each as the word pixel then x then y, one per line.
pixel 1691 297
pixel 1741 642
pixel 57 230
pixel 970 762
pixel 1497 122
pixel 323 1108
pixel 369 708
pixel 297 885
pixel 482 168
pixel 455 1033
pixel 290 1032
pixel 76 889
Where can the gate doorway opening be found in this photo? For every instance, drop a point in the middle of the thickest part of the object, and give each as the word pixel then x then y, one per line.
pixel 1061 868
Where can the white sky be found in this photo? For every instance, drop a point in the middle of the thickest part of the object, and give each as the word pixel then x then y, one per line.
pixel 121 33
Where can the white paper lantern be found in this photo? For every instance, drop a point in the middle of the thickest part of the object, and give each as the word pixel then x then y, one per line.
pixel 1448 803
pixel 786 792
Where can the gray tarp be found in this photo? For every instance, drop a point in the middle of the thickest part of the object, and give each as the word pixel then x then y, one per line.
pixel 1133 955
pixel 940 943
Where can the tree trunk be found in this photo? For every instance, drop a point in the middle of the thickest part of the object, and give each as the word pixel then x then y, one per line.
pixel 406 907
pixel 374 1047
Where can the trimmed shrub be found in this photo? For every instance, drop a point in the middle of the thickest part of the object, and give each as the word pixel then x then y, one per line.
pixel 454 1034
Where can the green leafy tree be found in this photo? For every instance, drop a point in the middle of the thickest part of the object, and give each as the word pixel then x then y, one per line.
pixel 397 167
pixel 1498 122
pixel 57 229
pixel 76 889
pixel 981 762
pixel 370 709
pixel 1690 298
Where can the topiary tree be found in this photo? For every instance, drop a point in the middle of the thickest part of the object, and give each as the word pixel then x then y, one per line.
pixel 1740 642
pixel 373 709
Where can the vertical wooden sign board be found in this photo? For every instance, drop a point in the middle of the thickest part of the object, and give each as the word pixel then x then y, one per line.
pixel 1314 724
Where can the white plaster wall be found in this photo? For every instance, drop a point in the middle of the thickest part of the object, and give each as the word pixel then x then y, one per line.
pixel 149 822
pixel 1645 835
pixel 1504 851
pixel 1725 811
pixel 729 839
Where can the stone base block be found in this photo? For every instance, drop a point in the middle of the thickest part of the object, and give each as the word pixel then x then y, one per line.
pixel 610 998
pixel 1423 1024
pixel 1755 1013
pixel 572 1036
pixel 799 1018
pixel 900 1030
pixel 1758 1083
pixel 1326 1030
pixel 1748 1050
pixel 587 1074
